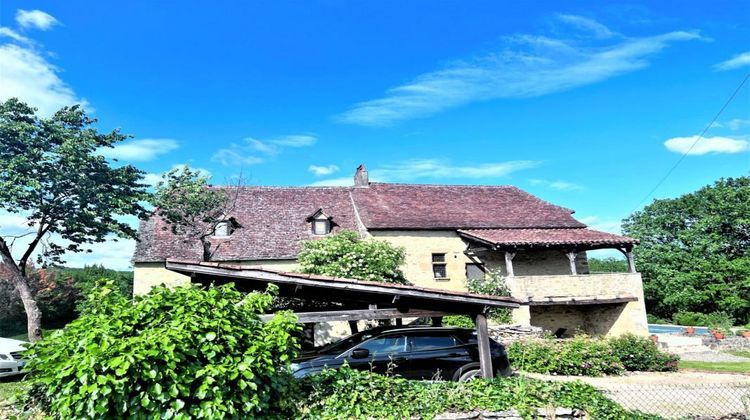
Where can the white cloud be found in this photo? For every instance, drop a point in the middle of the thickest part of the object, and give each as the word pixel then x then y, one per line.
pixel 35 19
pixel 604 225
pixel 527 66
pixel 557 185
pixel 588 25
pixel 737 123
pixel 141 150
pixel 706 145
pixel 10 33
pixel 294 141
pixel 28 76
pixel 323 170
pixel 112 254
pixel 255 151
pixel 737 61
pixel 440 169
pixel 436 169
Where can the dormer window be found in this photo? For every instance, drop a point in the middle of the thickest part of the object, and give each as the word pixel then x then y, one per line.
pixel 225 228
pixel 320 223
pixel 222 230
pixel 321 226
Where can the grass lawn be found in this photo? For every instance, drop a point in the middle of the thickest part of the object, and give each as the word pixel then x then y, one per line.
pixel 735 367
pixel 740 353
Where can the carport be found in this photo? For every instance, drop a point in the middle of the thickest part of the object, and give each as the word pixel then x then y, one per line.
pixel 365 300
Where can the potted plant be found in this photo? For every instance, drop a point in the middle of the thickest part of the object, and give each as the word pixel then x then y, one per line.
pixel 689 330
pixel 718 333
pixel 746 331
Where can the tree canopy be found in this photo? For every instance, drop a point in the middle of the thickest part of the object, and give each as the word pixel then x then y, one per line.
pixel 192 208
pixel 53 174
pixel 345 254
pixel 695 250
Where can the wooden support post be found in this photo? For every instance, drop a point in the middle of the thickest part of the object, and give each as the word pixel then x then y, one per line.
pixel 509 263
pixel 437 321
pixel 353 326
pixel 572 258
pixel 483 340
pixel 399 322
pixel 631 260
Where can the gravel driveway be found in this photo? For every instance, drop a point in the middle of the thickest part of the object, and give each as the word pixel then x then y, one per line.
pixel 673 394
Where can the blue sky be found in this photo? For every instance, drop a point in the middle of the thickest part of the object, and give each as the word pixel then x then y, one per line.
pixel 586 104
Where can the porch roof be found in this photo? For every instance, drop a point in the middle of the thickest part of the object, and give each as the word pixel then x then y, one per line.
pixel 547 237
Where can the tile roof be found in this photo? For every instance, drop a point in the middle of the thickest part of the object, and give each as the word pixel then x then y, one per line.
pixel 410 206
pixel 550 237
pixel 274 221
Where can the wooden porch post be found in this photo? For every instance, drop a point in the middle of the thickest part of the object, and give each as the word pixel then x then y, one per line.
pixel 483 340
pixel 572 258
pixel 509 263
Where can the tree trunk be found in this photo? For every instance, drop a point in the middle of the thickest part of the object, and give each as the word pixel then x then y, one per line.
pixel 33 314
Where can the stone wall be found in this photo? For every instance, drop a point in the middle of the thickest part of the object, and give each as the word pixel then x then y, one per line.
pixel 420 245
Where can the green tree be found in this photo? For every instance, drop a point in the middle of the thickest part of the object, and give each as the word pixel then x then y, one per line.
pixel 345 254
pixel 194 209
pixel 695 250
pixel 52 175
pixel 608 265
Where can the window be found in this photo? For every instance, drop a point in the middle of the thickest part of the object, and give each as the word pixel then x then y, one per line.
pixel 386 345
pixel 439 270
pixel 432 342
pixel 474 271
pixel 321 226
pixel 223 229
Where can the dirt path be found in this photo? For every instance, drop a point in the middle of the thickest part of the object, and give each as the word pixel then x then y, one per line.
pixel 674 394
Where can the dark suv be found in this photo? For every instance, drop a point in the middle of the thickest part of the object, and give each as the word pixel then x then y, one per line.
pixel 410 352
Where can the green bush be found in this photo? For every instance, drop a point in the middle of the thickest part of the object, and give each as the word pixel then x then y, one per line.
pixel 641 354
pixel 347 255
pixel 584 356
pixel 461 321
pixel 352 394
pixel 183 352
pixel 654 319
pixel 579 356
pixel 714 319
pixel 492 284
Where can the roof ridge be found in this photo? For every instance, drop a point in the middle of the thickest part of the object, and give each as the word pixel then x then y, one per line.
pixel 444 185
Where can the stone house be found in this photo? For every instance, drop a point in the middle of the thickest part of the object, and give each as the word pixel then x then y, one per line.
pixel 450 233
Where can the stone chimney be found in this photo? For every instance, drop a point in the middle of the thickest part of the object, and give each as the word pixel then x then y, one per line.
pixel 361 179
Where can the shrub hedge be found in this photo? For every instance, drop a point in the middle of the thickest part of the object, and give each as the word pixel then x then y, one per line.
pixel 584 356
pixel 348 394
pixel 174 353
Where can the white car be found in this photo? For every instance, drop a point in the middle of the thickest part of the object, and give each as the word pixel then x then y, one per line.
pixel 11 359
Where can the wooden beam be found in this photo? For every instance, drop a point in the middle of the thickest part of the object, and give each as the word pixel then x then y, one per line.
pixel 347 286
pixel 357 314
pixel 483 341
pixel 574 301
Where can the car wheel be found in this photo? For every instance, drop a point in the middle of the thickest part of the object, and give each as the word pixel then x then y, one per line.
pixel 470 375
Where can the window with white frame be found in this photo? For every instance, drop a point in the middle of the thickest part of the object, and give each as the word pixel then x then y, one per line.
pixel 439 266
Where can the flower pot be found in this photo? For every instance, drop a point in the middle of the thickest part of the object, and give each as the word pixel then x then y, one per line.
pixel 654 338
pixel 746 334
pixel 689 330
pixel 719 335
